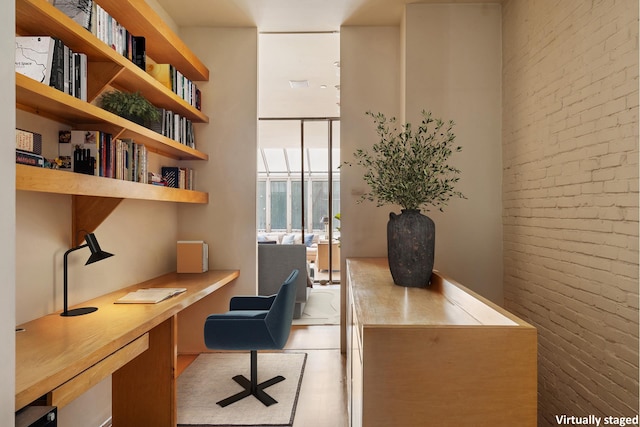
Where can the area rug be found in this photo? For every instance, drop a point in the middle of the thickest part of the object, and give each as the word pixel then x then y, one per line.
pixel 322 308
pixel 208 380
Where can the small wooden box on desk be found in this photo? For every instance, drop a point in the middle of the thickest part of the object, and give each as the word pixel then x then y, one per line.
pixel 436 356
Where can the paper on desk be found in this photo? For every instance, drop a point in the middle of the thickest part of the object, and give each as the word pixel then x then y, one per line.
pixel 149 295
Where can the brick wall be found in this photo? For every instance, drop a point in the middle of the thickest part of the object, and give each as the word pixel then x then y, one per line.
pixel 570 197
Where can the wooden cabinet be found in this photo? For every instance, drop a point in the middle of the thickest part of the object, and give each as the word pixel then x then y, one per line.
pixel 107 68
pixel 436 356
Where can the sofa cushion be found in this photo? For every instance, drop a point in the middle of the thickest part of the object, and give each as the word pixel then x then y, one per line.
pixel 288 239
pixel 308 240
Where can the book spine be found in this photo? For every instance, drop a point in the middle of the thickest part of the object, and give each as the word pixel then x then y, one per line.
pixel 56 80
pixel 83 77
pixel 31 159
pixel 76 75
pixel 139 52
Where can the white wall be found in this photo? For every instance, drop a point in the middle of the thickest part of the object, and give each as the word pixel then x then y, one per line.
pixel 571 199
pixel 7 215
pixel 140 234
pixel 228 222
pixel 447 59
pixel 369 80
pixel 453 68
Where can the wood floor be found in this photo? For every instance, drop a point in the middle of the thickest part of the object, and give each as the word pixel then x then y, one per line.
pixel 323 395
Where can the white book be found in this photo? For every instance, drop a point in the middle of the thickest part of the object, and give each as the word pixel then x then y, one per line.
pixel 83 76
pixel 78 10
pixel 149 295
pixel 34 56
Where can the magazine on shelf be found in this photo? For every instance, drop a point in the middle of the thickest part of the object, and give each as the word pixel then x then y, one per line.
pixel 34 57
pixel 149 295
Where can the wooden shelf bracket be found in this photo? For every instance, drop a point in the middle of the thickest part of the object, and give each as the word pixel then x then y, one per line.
pixel 88 212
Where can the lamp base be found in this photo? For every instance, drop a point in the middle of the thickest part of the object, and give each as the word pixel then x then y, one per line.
pixel 78 311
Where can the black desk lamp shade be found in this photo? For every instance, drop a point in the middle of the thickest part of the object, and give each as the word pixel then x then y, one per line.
pixel 97 254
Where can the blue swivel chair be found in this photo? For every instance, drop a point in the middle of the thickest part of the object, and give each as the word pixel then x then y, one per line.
pixel 253 323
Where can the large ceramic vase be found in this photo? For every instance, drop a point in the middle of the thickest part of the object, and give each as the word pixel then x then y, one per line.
pixel 411 239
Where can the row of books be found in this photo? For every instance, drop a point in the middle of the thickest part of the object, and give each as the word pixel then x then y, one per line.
pixel 98 153
pixel 94 18
pixel 174 80
pixel 118 38
pixel 49 61
pixel 176 127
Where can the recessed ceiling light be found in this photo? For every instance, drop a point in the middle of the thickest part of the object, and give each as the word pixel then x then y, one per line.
pixel 297 84
pixel 323 86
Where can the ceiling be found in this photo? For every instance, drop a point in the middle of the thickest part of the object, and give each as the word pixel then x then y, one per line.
pixel 285 15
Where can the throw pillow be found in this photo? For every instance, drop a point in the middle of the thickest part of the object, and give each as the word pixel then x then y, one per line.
pixel 308 240
pixel 288 239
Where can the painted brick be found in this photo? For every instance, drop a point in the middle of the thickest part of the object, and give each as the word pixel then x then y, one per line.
pixel 570 198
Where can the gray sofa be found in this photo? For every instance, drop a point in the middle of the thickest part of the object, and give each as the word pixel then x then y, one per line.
pixel 275 263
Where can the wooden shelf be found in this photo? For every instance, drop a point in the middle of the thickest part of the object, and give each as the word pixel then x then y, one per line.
pixel 106 67
pixel 30 178
pixel 94 198
pixel 41 99
pixel 162 44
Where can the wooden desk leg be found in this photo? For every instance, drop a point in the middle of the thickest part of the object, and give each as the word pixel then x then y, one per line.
pixel 144 390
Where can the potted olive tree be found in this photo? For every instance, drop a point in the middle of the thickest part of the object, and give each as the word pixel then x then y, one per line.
pixel 409 167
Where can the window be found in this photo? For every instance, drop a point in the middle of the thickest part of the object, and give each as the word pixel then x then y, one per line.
pixel 293 187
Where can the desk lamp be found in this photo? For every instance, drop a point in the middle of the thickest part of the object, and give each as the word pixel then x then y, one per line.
pixel 97 254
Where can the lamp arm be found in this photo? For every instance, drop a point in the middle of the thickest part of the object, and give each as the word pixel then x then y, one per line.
pixel 66 254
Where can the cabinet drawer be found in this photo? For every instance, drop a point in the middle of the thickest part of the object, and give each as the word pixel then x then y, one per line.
pixel 82 382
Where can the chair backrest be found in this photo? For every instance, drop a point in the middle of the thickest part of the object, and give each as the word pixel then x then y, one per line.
pixel 280 314
pixel 275 263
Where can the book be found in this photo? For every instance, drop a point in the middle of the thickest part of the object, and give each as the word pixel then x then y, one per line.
pixel 56 79
pixel 192 256
pixel 28 158
pixel 28 141
pixel 149 295
pixel 78 10
pixel 170 174
pixel 138 54
pixel 34 57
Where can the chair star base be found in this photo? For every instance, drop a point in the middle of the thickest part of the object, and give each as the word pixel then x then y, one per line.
pixel 251 387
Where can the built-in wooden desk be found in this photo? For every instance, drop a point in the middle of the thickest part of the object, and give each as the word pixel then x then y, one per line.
pixel 62 357
pixel 435 356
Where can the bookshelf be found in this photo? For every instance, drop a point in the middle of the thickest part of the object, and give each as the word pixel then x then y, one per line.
pixel 95 197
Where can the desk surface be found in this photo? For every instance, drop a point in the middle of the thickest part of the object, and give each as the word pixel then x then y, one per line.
pixel 378 302
pixel 53 349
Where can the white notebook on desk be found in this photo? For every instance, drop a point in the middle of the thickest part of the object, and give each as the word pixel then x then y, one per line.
pixel 149 295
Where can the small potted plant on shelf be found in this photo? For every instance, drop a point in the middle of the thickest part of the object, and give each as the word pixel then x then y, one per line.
pixel 132 106
pixel 409 168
